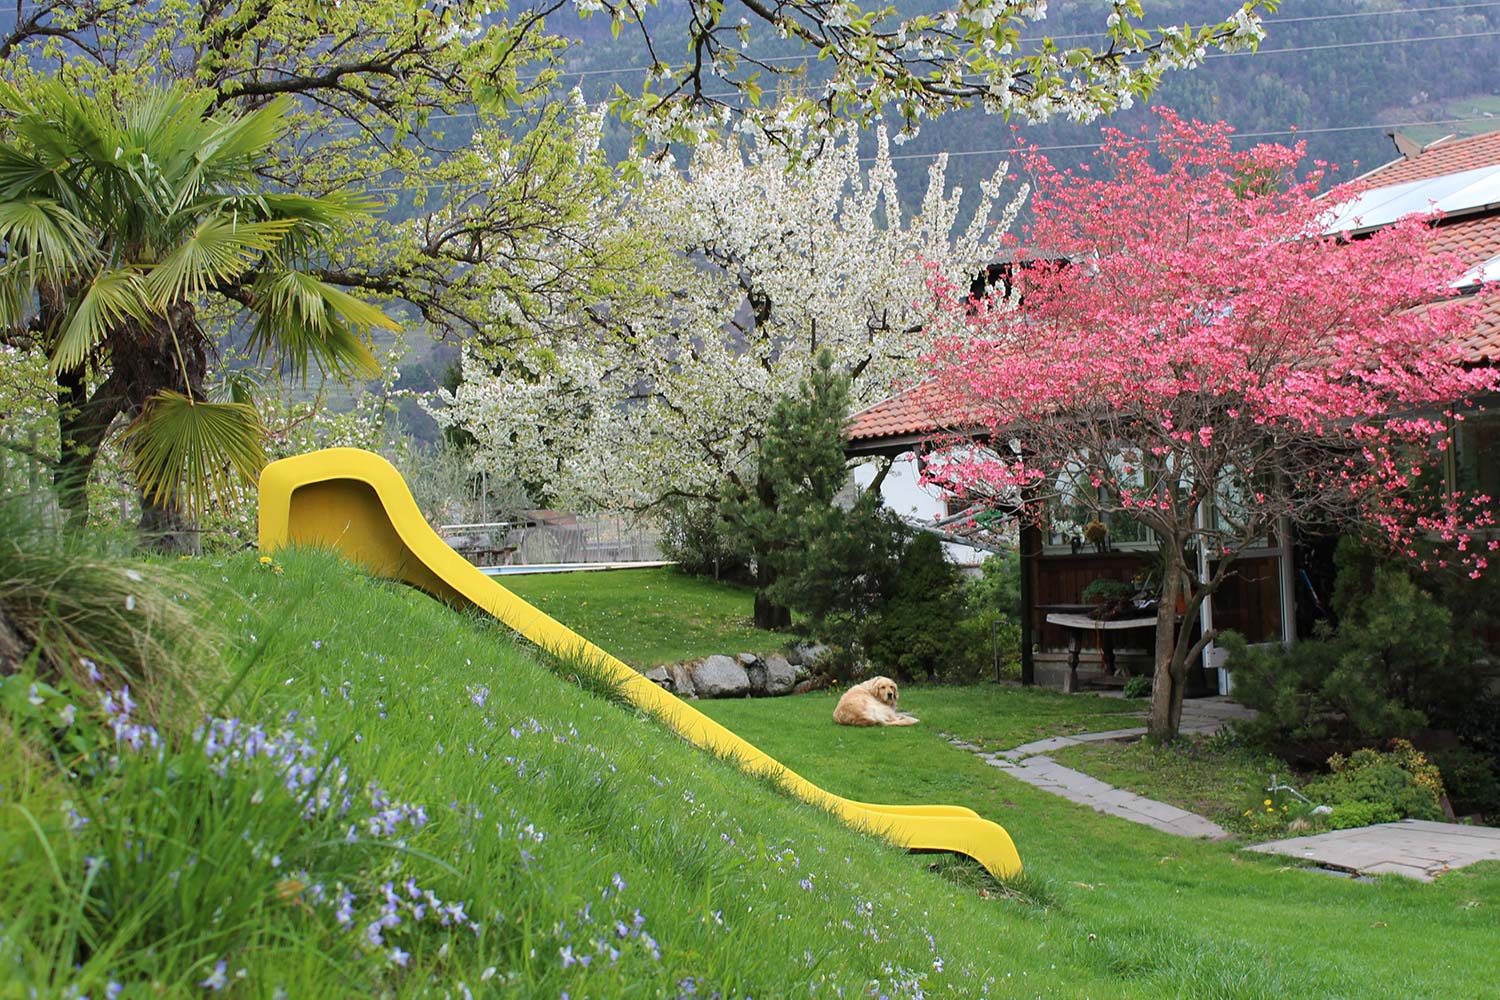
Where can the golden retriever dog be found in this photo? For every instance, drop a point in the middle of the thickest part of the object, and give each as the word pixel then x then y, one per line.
pixel 872 703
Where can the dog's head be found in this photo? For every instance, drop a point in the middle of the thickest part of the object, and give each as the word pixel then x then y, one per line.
pixel 885 689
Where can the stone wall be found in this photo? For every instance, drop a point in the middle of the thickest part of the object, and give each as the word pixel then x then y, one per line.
pixel 744 675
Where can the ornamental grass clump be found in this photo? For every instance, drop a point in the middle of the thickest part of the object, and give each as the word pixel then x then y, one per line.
pixel 174 854
pixel 70 608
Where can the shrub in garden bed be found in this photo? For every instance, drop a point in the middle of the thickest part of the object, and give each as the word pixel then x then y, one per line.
pixel 1472 781
pixel 1391 785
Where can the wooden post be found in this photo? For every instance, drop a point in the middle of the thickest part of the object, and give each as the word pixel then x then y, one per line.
pixel 1028 545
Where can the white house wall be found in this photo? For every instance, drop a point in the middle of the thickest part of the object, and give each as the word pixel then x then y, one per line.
pixel 903 492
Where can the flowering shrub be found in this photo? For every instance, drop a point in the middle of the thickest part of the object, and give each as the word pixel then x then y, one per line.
pixel 1396 784
pixel 1183 341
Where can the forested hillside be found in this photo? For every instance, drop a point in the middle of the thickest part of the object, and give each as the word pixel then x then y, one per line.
pixel 1339 71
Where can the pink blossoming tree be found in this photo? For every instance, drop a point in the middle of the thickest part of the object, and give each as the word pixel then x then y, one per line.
pixel 1187 348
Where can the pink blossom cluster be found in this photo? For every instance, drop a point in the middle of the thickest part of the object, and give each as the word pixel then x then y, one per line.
pixel 1186 330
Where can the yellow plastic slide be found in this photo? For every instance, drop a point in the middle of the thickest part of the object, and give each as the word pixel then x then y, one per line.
pixel 357 503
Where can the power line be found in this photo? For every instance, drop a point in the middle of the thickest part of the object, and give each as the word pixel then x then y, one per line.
pixel 564 74
pixel 1354 45
pixel 1270 21
pixel 1293 131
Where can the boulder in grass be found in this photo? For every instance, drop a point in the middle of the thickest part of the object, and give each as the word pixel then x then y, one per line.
pixel 806 654
pixel 781 676
pixel 720 677
pixel 755 669
pixel 681 677
pixel 660 676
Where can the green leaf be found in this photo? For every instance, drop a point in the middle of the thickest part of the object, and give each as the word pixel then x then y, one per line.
pixel 307 320
pixel 111 298
pixel 219 250
pixel 187 452
pixel 51 240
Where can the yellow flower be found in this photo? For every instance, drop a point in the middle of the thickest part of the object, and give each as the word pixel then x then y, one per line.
pixel 265 560
pixel 1268 801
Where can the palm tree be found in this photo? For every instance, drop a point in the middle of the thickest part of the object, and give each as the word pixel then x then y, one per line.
pixel 119 226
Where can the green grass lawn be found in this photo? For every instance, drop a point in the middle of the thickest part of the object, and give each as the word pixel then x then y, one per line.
pixel 571 828
pixel 1217 778
pixel 999 717
pixel 650 616
pixel 1155 915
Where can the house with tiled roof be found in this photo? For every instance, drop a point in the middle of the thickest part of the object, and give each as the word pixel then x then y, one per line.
pixel 1279 590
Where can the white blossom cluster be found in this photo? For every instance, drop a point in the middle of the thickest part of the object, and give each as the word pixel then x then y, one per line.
pixel 769 255
pixel 888 64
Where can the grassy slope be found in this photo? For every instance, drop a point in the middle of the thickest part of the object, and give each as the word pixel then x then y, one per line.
pixel 803 902
pixel 650 616
pixel 390 678
pixel 1157 915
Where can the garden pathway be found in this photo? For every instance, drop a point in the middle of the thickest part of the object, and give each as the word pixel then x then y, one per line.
pixel 1417 849
pixel 1030 763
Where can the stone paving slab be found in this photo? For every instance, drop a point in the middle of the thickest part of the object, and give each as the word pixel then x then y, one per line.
pixel 1113 734
pixel 1075 786
pixel 1418 849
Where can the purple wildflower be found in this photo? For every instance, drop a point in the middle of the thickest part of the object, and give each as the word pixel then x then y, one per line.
pixel 217 979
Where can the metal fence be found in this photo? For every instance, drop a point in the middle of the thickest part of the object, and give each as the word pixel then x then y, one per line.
pixel 563 539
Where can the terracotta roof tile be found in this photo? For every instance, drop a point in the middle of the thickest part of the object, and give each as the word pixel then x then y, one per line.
pixel 1473 239
pixel 1447 156
pixel 1483 342
pixel 906 413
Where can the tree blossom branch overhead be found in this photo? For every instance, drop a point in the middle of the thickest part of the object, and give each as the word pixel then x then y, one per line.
pixel 838 60
pixel 766 259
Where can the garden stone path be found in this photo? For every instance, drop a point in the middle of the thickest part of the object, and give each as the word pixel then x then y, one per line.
pixel 1415 848
pixel 1030 764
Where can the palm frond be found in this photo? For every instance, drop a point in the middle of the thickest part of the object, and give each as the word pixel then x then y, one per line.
pixel 237 144
pixel 111 298
pixel 327 211
pixel 21 174
pixel 310 321
pixel 237 385
pixel 17 298
pixel 188 452
pixel 218 250
pixel 51 240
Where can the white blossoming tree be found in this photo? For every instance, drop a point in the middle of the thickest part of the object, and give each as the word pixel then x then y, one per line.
pixel 769 257
pixel 863 62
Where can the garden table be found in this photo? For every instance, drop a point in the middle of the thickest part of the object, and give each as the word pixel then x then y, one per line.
pixel 1078 625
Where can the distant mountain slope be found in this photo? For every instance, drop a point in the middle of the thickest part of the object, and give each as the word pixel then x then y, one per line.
pixel 1334 69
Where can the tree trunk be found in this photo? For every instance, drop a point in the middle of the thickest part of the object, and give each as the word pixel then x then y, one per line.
pixel 153 359
pixel 165 529
pixel 768 614
pixel 1169 680
pixel 83 422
